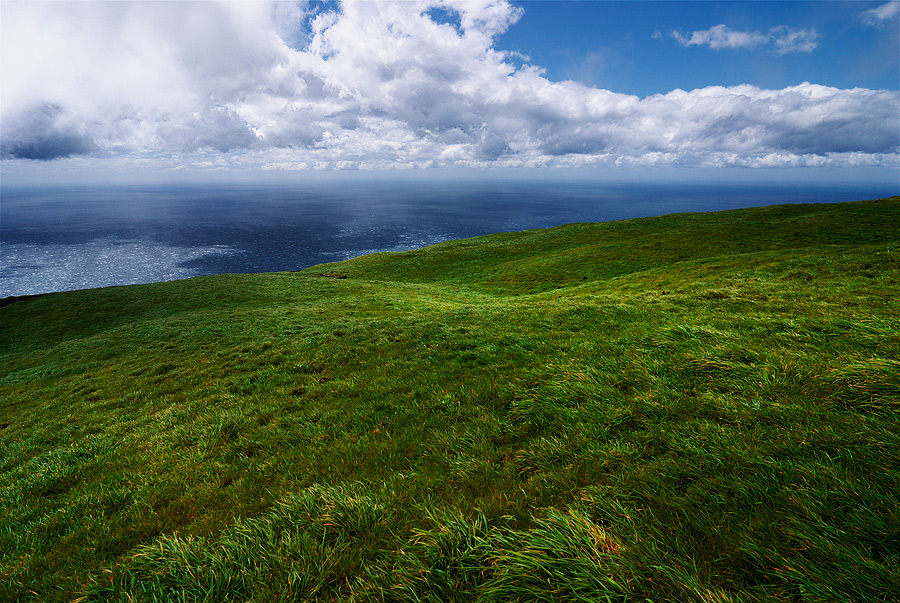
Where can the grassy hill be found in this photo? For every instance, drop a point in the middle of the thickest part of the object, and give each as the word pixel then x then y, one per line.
pixel 695 407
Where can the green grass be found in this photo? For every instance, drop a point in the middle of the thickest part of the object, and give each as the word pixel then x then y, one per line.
pixel 695 407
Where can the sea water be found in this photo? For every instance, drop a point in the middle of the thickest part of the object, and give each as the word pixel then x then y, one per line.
pixel 65 238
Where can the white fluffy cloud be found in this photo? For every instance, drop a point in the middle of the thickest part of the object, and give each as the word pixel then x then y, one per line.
pixel 382 84
pixel 783 38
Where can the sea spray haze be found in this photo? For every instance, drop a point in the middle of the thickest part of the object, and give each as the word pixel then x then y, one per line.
pixel 687 407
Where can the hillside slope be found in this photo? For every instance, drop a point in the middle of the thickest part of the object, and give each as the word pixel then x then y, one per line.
pixel 690 407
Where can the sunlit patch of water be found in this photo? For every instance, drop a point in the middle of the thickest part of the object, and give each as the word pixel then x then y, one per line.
pixel 28 269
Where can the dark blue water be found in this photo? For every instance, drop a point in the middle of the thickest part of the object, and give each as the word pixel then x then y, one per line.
pixel 57 239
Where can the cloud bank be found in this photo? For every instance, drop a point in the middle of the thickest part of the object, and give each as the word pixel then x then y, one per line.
pixel 380 85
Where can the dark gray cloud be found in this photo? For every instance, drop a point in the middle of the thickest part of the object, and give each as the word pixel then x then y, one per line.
pixel 491 146
pixel 837 136
pixel 573 145
pixel 222 130
pixel 40 133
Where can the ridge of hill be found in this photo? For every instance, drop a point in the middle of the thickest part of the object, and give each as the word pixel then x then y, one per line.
pixel 688 407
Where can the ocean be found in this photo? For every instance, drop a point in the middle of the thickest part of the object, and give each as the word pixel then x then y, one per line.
pixel 63 238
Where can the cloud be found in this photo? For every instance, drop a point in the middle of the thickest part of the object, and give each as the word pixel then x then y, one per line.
pixel 382 85
pixel 41 133
pixel 881 14
pixel 718 37
pixel 788 40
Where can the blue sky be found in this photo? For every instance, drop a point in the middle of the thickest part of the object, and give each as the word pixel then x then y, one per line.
pixel 106 88
pixel 611 44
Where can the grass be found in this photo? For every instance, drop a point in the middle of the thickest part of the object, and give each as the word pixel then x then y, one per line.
pixel 695 407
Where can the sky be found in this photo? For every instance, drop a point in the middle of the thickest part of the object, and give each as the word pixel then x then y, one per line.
pixel 98 89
